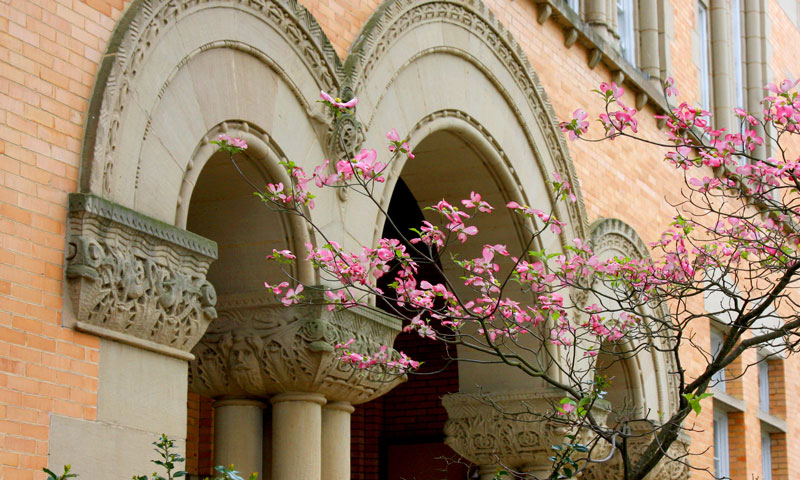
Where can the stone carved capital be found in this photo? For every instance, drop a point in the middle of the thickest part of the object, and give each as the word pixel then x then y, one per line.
pixel 502 429
pixel 259 348
pixel 642 435
pixel 137 280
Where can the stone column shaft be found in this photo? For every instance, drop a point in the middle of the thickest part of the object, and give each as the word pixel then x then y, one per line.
pixel 754 65
pixel 649 60
pixel 721 65
pixel 297 436
pixel 597 16
pixel 336 441
pixel 238 435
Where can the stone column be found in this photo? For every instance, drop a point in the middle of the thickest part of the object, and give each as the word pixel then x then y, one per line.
pixel 336 441
pixel 754 66
pixel 259 349
pixel 238 427
pixel 597 16
pixel 487 472
pixel 139 285
pixel 649 60
pixel 722 65
pixel 296 436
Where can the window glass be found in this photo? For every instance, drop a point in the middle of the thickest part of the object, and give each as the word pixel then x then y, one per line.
pixel 718 380
pixel 575 5
pixel 705 66
pixel 722 466
pixel 763 385
pixel 626 30
pixel 766 456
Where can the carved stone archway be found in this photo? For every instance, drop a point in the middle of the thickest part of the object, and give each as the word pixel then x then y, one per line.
pixel 167 79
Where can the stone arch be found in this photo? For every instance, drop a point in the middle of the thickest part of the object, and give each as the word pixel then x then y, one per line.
pixel 651 373
pixel 281 59
pixel 402 35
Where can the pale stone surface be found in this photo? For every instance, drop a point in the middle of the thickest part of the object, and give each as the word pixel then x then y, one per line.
pixel 142 390
pixel 238 435
pixel 99 450
pixel 297 436
pixel 336 441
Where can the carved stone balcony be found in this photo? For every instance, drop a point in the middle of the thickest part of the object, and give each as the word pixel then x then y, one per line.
pixel 504 429
pixel 137 280
pixel 258 348
pixel 642 435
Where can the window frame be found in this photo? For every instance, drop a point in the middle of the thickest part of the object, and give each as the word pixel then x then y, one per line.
pixel 722 452
pixel 766 455
pixel 716 340
pixel 704 38
pixel 626 29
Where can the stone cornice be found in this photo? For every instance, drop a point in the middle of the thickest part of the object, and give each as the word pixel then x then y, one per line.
pixel 82 203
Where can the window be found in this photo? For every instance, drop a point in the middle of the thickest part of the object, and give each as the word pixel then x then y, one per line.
pixel 718 380
pixel 763 385
pixel 625 28
pixel 738 57
pixel 705 58
pixel 766 456
pixel 722 462
pixel 575 5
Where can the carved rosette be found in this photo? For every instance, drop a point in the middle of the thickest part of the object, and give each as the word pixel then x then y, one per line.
pixel 135 279
pixel 502 429
pixel 258 348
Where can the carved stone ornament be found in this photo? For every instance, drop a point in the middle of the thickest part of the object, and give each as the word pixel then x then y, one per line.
pixel 259 348
pixel 667 469
pixel 137 280
pixel 502 429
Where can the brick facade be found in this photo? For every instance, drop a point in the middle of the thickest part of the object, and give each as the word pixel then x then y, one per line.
pixel 49 56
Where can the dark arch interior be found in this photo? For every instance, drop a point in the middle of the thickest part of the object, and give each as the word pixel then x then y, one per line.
pixel 400 435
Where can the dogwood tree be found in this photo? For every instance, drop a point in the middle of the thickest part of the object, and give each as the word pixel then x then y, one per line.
pixel 733 238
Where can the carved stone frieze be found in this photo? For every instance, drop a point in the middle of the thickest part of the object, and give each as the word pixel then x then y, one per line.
pixel 259 348
pixel 502 429
pixel 670 468
pixel 134 277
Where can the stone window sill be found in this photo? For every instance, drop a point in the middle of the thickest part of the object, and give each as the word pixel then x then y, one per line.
pixel 771 423
pixel 727 402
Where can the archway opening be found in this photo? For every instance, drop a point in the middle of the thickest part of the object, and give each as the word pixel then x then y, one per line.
pixel 224 208
pixel 401 435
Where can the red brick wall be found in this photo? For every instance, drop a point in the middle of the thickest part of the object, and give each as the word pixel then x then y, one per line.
pixel 48 58
pixel 49 50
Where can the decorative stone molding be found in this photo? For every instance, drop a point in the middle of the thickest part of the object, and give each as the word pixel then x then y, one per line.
pixel 259 348
pixel 396 18
pixel 614 234
pixel 502 429
pixel 139 31
pixel 136 279
pixel 611 234
pixel 667 469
